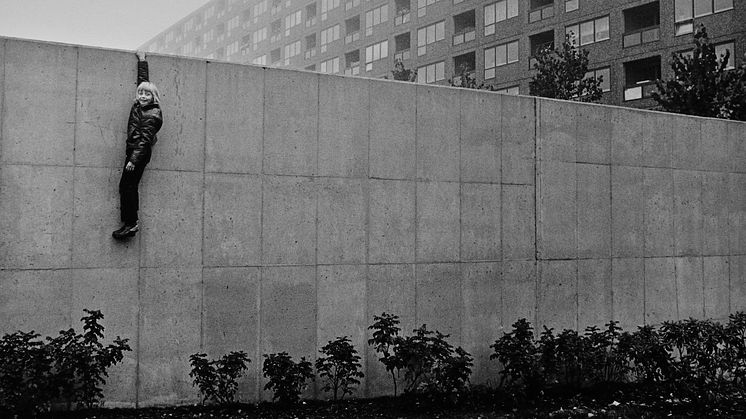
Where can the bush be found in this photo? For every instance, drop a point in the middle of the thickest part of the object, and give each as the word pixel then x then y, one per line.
pixel 70 367
pixel 216 379
pixel 340 365
pixel 286 377
pixel 385 338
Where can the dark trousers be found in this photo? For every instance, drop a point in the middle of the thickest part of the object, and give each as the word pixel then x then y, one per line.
pixel 129 199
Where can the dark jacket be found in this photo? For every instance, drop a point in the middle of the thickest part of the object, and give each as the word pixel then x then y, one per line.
pixel 144 122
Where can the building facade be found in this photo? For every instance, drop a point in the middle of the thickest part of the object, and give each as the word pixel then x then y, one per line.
pixel 630 42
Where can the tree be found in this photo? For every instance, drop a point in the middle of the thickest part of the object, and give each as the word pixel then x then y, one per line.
pixel 560 74
pixel 464 77
pixel 403 74
pixel 701 84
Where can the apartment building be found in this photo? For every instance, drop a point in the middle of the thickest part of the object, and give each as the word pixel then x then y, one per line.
pixel 630 42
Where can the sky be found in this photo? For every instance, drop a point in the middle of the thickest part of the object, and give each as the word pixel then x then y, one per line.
pixel 118 24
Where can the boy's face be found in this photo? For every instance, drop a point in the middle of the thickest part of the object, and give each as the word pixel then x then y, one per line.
pixel 144 97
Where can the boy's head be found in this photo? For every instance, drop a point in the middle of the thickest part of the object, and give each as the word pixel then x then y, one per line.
pixel 147 93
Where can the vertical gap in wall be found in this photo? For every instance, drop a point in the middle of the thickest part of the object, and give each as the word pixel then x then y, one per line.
pixel 501 269
pixel 577 224
pixel 316 186
pixel 537 198
pixel 260 300
pixel 366 209
pixel 3 48
pixel 75 147
pixel 416 178
pixel 202 216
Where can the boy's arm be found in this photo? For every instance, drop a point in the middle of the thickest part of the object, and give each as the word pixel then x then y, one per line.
pixel 142 68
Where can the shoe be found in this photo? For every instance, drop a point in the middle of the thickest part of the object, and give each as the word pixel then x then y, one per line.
pixel 126 231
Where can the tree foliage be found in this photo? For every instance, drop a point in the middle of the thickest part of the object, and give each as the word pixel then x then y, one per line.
pixel 701 84
pixel 560 74
pixel 403 74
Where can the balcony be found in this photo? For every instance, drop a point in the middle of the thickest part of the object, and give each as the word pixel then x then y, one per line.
pixel 464 37
pixel 402 55
pixel 402 18
pixel 354 70
pixel 640 90
pixel 641 36
pixel 310 53
pixel 541 13
pixel 352 37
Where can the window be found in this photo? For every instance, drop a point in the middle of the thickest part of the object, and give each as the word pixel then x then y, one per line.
pixel 402 12
pixel 291 20
pixel 590 31
pixel 497 12
pixel 401 46
pixel 375 17
pixel 326 6
pixel 275 56
pixel 352 29
pixel 571 5
pixel 539 42
pixel 260 8
pixel 276 6
pixel 463 65
pixel 352 63
pixel 310 46
pixel 245 44
pixel 463 27
pixel 260 60
pixel 641 24
pixel 431 73
pixel 540 10
pixel 310 15
pixel 498 56
pixel 209 12
pixel 351 4
pixel 422 6
pixel 291 50
pixel 329 35
pixel 374 53
pixel 720 50
pixel 231 49
pixel 428 35
pixel 259 36
pixel 275 31
pixel 604 74
pixel 512 90
pixel 169 37
pixel 686 10
pixel 330 66
pixel 221 31
pixel 208 36
pixel 640 76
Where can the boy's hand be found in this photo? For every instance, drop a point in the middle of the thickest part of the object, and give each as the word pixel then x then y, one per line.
pixel 140 55
pixel 130 167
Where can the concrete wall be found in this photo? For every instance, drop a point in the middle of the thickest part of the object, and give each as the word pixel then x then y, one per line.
pixel 282 209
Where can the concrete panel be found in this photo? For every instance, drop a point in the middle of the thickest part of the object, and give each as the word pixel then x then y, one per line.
pixel 627 137
pixel 627 209
pixel 291 143
pixel 392 221
pixel 36 207
pixel 558 295
pixel 737 217
pixel 480 137
pixel 717 293
pixel 657 139
pixel 687 212
pixel 439 301
pixel 438 222
pixel 393 113
pixel 557 131
pixel 39 108
pixel 106 91
pixel 519 292
pixel 628 292
pixel 715 226
pixel 690 287
pixel 231 320
pixel 38 300
pixel 594 211
pixel 342 218
pixel 235 117
pixel 171 218
pixel 557 211
pixel 341 307
pixel 595 301
pixel 289 224
pixel 170 307
pixel 437 134
pixel 390 289
pixel 233 220
pixel 661 301
pixel 658 212
pixel 737 283
pixel 687 147
pixel 518 139
pixel 480 221
pixel 594 132
pixel 115 293
pixel 737 147
pixel 518 222
pixel 181 140
pixel 481 322
pixel 343 126
pixel 716 152
pixel 96 215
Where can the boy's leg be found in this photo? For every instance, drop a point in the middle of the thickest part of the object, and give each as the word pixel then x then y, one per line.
pixel 128 194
